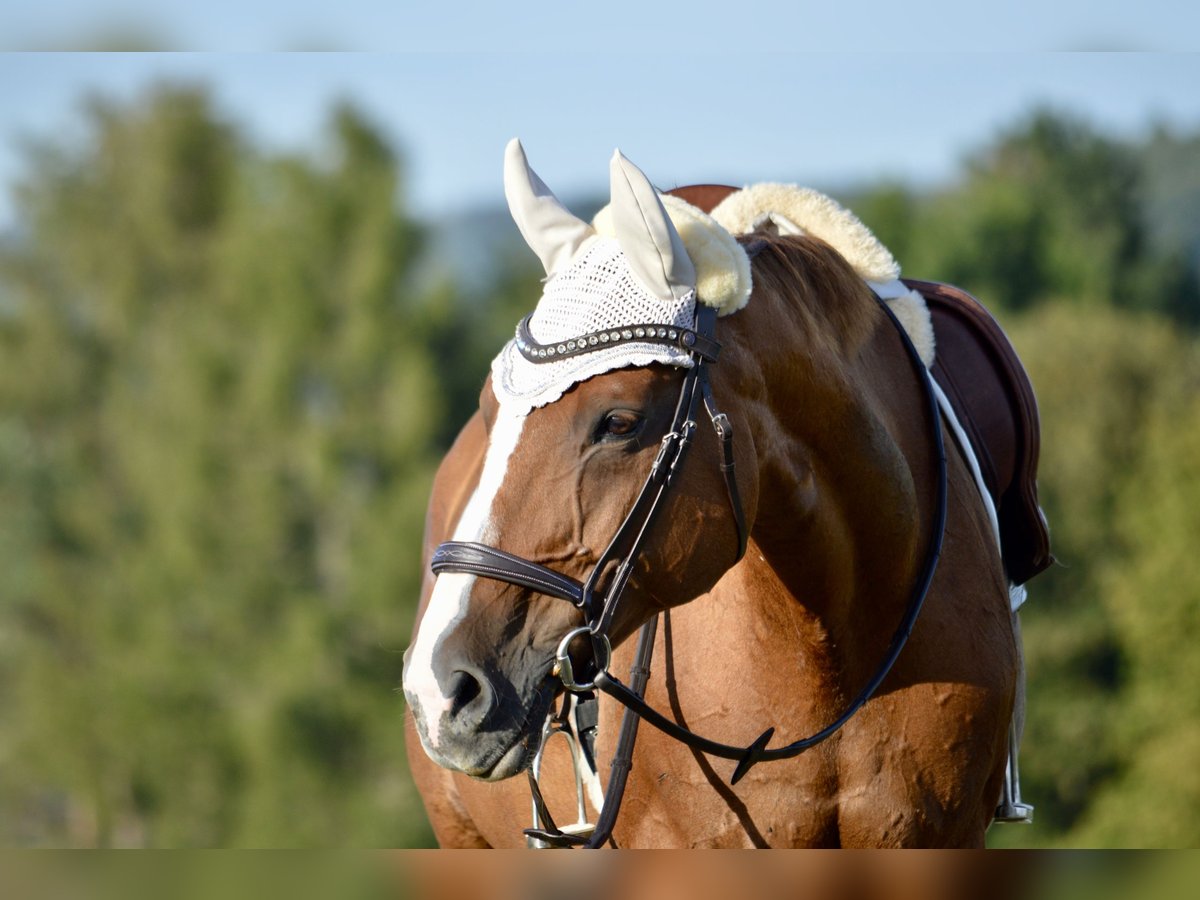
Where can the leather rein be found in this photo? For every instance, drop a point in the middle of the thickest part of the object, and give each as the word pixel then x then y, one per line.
pixel 599 606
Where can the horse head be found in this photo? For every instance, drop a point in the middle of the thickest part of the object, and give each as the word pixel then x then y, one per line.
pixel 571 420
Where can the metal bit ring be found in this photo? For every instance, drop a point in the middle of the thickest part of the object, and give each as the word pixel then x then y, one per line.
pixel 563 666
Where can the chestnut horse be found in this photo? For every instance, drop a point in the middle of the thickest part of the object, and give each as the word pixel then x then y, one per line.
pixel 836 472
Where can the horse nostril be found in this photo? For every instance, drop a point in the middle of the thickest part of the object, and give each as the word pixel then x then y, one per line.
pixel 471 696
pixel 464 689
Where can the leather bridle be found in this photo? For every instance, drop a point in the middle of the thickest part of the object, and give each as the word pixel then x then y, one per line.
pixel 599 605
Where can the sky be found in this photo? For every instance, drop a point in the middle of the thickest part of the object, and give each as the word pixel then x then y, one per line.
pixel 691 91
pixel 701 26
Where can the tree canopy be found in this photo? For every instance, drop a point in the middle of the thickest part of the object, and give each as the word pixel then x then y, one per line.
pixel 217 433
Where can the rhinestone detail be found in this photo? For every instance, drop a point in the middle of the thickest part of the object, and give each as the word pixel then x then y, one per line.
pixel 682 338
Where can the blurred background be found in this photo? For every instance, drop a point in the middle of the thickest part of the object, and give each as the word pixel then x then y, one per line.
pixel 247 300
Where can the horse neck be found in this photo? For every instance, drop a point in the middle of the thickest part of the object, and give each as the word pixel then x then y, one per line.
pixel 841 438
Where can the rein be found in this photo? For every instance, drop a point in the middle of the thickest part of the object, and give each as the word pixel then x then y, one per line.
pixel 599 607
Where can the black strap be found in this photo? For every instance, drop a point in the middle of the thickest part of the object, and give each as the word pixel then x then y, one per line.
pixel 627 542
pixel 724 430
pixel 480 559
pixel 622 761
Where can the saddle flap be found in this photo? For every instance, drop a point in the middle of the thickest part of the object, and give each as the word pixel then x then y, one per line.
pixel 978 369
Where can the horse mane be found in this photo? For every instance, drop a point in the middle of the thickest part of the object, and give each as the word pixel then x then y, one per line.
pixel 829 299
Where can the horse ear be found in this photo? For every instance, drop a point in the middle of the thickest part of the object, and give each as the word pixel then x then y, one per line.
pixel 646 234
pixel 549 229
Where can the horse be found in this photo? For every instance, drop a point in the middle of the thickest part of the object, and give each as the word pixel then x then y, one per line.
pixel 782 566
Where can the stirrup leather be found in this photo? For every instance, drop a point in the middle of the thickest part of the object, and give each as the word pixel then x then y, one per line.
pixel 1011 809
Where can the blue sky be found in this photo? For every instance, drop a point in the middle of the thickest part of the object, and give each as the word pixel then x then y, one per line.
pixel 705 27
pixel 826 118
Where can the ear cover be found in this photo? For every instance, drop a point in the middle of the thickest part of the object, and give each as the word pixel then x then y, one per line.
pixel 647 237
pixel 723 278
pixel 549 228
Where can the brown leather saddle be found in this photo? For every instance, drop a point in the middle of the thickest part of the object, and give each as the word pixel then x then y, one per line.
pixel 981 375
pixel 989 389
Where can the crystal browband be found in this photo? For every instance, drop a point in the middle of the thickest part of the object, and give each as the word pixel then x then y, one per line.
pixel 672 336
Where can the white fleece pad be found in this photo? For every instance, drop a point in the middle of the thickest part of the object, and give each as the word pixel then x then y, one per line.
pixel 790 209
pixel 787 209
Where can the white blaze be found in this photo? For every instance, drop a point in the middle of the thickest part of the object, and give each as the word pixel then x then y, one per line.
pixel 448 601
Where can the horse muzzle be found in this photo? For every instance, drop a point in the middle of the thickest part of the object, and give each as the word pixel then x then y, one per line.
pixel 473 720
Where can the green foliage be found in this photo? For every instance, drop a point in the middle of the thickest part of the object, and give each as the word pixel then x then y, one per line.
pixel 1052 209
pixel 1102 379
pixel 1154 599
pixel 215 447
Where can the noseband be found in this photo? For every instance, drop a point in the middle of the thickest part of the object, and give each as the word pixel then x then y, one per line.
pixel 599 606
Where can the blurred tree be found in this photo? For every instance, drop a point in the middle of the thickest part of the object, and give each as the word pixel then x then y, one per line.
pixel 1153 597
pixel 215 445
pixel 1097 374
pixel 1170 173
pixel 468 328
pixel 891 210
pixel 1051 208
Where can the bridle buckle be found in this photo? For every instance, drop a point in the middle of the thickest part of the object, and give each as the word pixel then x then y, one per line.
pixel 673 445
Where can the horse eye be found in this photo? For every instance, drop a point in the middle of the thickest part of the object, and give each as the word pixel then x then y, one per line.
pixel 618 425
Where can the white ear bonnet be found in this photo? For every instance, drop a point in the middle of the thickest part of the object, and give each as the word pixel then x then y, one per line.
pixel 641 266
